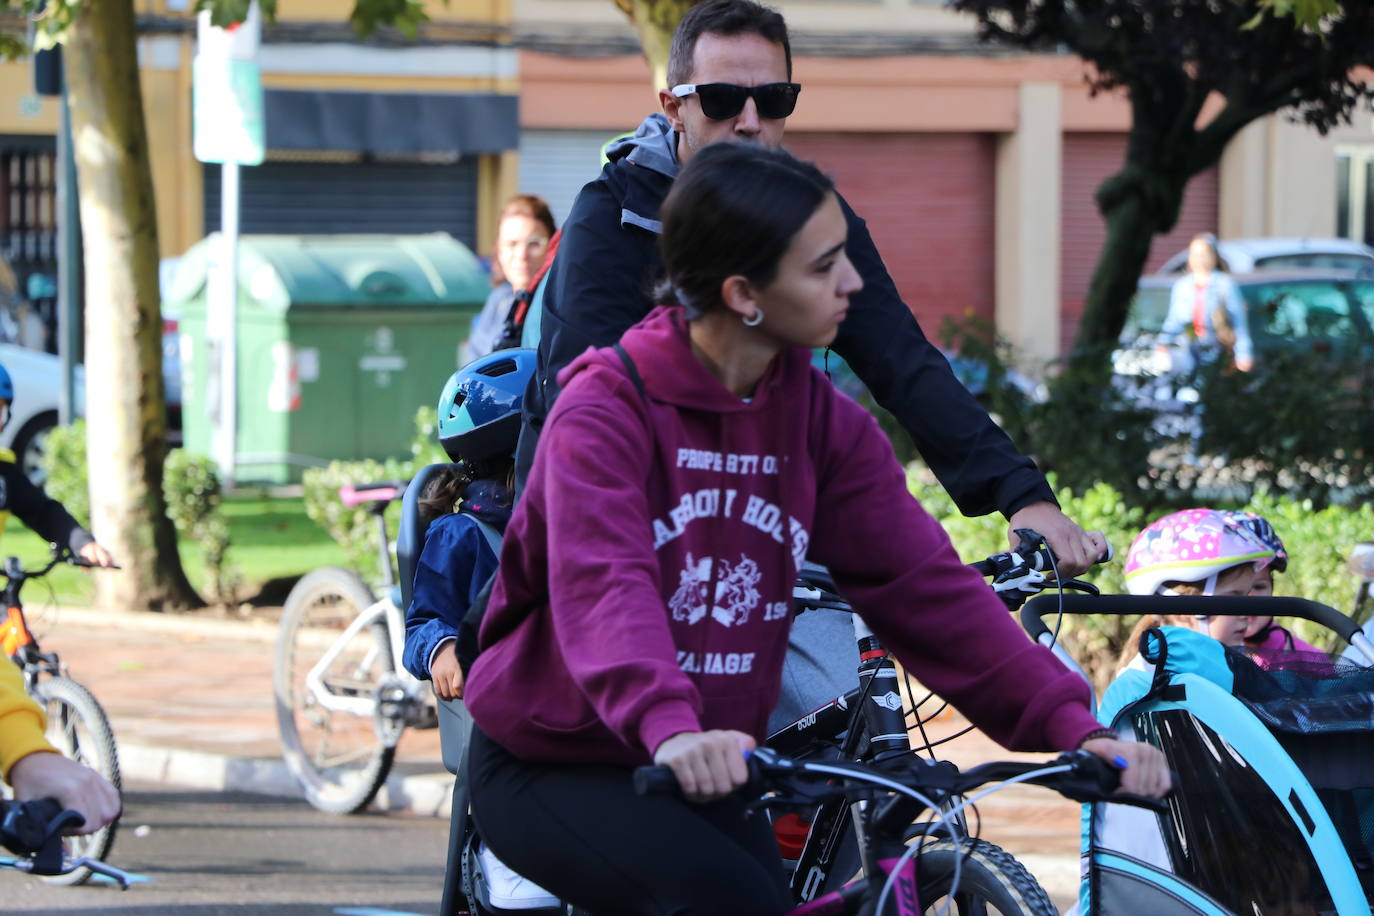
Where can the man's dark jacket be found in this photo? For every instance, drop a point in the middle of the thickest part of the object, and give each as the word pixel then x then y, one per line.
pixel 601 283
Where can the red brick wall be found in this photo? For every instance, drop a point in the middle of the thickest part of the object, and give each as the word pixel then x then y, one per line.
pixel 929 203
pixel 1088 160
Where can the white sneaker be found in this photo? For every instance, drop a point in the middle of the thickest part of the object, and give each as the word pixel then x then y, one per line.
pixel 508 890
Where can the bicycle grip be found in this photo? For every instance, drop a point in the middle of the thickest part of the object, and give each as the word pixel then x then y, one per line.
pixel 656 780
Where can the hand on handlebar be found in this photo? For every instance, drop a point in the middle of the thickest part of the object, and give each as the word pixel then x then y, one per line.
pixel 708 765
pixel 1075 549
pixel 95 555
pixel 1145 771
pixel 80 788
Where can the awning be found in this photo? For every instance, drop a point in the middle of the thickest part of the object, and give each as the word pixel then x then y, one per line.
pixel 391 122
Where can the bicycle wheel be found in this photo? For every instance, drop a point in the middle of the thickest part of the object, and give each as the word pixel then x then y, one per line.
pixel 990 881
pixel 327 713
pixel 78 727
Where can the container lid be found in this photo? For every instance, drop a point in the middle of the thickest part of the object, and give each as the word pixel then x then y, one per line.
pixel 280 273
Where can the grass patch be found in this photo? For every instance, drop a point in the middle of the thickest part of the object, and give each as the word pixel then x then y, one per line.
pixel 271 542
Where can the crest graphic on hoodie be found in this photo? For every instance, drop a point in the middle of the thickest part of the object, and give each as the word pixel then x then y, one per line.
pixel 736 594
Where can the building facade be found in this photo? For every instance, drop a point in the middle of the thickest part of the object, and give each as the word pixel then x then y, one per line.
pixel 974 167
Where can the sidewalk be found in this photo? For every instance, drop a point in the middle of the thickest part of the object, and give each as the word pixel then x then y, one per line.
pixel 191 703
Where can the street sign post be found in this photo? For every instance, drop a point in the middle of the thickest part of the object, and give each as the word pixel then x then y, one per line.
pixel 227 109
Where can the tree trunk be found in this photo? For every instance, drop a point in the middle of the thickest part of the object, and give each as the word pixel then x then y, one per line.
pixel 656 21
pixel 126 414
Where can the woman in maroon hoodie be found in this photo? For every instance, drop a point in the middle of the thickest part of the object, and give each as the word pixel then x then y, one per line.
pixel 644 596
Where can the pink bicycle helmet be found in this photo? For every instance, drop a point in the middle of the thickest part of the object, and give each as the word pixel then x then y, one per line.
pixel 1195 545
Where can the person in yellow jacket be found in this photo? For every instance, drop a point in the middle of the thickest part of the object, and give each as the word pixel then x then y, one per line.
pixel 33 767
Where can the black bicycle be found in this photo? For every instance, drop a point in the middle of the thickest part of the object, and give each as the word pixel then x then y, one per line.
pixel 77 724
pixel 35 831
pixel 890 794
pixel 872 724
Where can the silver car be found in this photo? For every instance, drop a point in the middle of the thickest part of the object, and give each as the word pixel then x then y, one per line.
pixel 1243 256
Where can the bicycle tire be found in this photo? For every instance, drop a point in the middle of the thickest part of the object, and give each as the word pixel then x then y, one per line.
pixel 318 609
pixel 990 881
pixel 79 728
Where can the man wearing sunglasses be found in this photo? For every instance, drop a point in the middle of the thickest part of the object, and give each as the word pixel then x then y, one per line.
pixel 730 79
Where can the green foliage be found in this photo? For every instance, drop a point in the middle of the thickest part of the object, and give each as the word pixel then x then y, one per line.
pixel 355 528
pixel 1307 14
pixel 64 460
pixel 1300 424
pixel 191 486
pixel 367 15
pixel 1318 541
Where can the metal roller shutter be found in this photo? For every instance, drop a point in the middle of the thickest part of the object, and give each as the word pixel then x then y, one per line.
pixel 1089 159
pixel 555 164
pixel 929 203
pixel 293 197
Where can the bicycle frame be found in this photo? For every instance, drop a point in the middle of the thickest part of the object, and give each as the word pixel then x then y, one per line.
pixel 872 711
pixel 348 699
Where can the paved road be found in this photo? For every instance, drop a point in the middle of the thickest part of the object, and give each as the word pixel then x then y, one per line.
pixel 204 853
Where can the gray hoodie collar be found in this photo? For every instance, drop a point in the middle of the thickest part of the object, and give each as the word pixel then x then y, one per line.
pixel 653 146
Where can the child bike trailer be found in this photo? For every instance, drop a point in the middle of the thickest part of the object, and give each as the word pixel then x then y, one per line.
pixel 1272 813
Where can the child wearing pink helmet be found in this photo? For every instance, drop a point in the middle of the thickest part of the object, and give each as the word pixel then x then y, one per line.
pixel 1195 552
pixel 1263 632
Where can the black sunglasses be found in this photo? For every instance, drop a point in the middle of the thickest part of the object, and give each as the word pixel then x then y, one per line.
pixel 722 101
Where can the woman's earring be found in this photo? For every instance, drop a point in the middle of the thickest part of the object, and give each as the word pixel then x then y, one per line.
pixel 755 319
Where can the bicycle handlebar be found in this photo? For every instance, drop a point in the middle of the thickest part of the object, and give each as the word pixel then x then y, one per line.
pixel 11 569
pixel 33 830
pixel 1213 605
pixel 1088 778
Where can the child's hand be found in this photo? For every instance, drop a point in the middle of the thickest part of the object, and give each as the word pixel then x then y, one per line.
pixel 446 674
pixel 96 555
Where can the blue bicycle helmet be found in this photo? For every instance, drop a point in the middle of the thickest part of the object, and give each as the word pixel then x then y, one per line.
pixel 1259 526
pixel 6 386
pixel 479 409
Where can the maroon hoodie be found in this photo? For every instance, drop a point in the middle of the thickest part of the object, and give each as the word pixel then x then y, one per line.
pixel 646 578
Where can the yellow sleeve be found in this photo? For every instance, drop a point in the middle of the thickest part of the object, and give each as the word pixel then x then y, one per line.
pixel 21 720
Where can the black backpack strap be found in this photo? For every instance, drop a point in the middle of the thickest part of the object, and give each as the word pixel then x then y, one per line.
pixel 632 369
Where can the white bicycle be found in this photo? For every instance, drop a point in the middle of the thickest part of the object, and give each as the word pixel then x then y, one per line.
pixel 343 697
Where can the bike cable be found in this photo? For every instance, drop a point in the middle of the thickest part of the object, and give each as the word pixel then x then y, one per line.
pixel 915 849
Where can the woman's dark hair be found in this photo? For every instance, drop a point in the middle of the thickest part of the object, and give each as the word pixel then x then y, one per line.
pixel 723 17
pixel 450 485
pixel 733 210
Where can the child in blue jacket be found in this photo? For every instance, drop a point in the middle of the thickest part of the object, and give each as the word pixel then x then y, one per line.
pixel 479 422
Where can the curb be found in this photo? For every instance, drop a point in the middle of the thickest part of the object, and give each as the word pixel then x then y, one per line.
pixel 423 794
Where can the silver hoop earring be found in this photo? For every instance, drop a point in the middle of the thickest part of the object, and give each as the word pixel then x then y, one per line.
pixel 755 319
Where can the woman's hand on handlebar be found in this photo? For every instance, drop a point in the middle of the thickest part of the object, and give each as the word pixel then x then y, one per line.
pixel 708 765
pixel 1145 771
pixel 1075 549
pixel 47 775
pixel 96 555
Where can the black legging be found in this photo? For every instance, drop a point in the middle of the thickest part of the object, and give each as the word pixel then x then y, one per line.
pixel 581 832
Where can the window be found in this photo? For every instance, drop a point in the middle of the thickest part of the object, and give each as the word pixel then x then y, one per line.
pixel 1315 311
pixel 1355 193
pixel 1328 260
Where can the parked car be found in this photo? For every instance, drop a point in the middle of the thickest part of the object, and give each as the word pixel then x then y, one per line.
pixel 37 380
pixel 1245 256
pixel 1325 313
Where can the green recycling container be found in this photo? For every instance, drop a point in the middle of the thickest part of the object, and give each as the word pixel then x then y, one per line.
pixel 341 338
